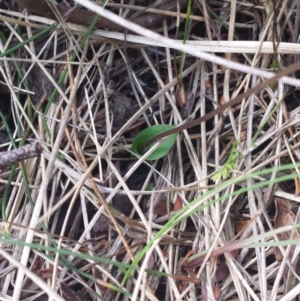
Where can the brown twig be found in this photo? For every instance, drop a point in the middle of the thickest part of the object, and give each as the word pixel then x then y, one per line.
pixel 19 154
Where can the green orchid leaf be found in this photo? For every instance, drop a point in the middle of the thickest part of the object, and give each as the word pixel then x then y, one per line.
pixel 148 134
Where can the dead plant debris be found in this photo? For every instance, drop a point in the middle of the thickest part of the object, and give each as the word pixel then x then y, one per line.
pixel 91 221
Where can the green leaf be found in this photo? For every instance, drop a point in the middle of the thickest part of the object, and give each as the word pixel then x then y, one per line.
pixel 148 134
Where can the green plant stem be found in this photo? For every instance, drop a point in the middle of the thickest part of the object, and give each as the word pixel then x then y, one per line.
pixel 184 213
pixel 27 132
pixel 65 71
pixel 34 37
pixel 185 36
pixel 6 192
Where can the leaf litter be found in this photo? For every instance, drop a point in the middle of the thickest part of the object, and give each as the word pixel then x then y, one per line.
pixel 97 141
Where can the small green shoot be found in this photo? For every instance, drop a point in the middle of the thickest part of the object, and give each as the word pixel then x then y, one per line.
pixel 230 165
pixel 150 132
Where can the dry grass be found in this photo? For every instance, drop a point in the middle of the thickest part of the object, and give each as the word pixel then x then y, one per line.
pixel 86 194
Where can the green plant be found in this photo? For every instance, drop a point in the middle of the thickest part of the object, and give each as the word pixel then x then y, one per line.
pixel 230 164
pixel 149 133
